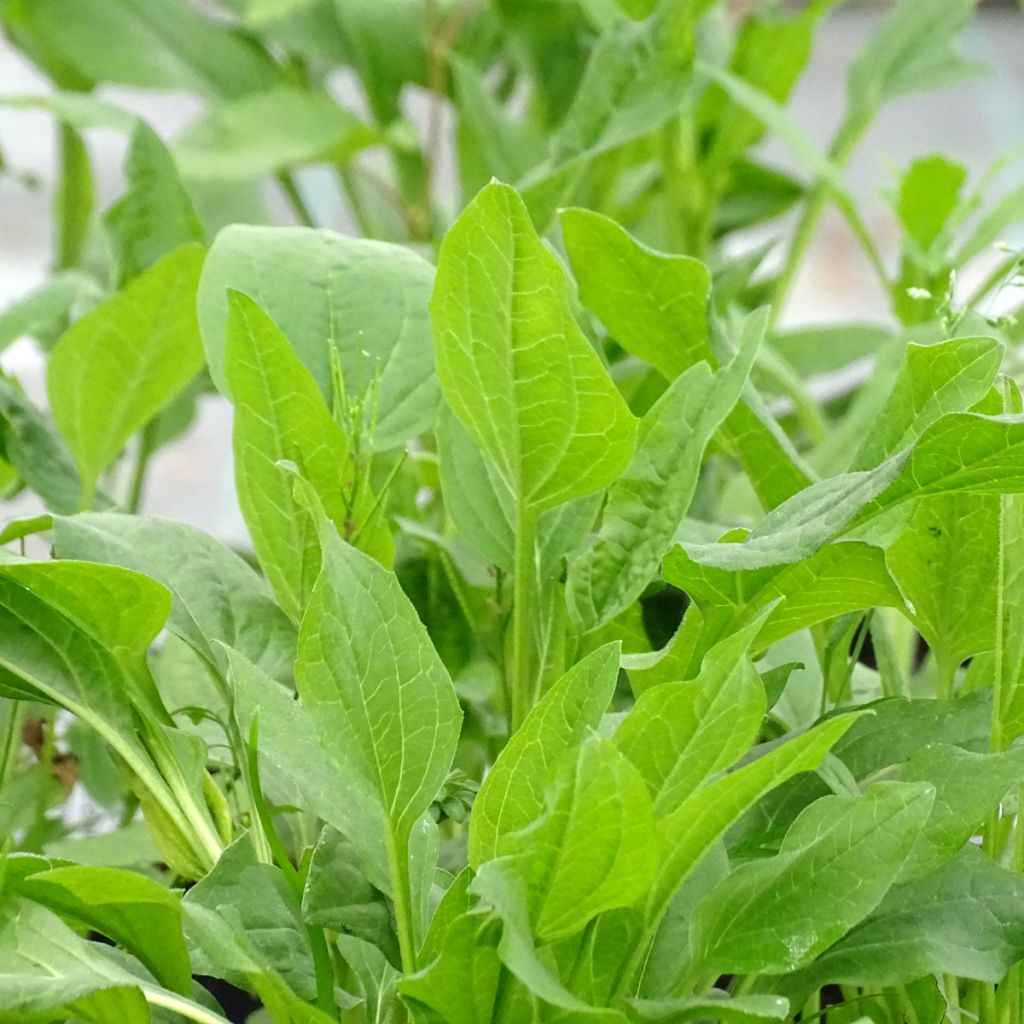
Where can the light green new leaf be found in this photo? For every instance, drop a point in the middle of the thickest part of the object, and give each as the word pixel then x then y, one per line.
pixel 647 503
pixel 155 215
pixel 950 376
pixel 367 299
pixel 280 416
pixel 837 579
pixel 512 793
pixel 595 849
pixel 514 365
pixel 258 134
pixel 840 856
pixel 132 910
pixel 679 734
pixel 218 599
pixel 946 563
pixel 120 364
pixel 966 920
pixel 701 820
pixel 382 701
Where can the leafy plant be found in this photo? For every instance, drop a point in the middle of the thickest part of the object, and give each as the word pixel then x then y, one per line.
pixel 590 661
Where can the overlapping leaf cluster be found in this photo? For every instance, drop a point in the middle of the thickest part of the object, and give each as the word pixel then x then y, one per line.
pixel 603 652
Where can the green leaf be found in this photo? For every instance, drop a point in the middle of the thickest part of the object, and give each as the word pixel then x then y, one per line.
pixel 289 742
pixel 337 895
pixel 680 734
pixel 647 503
pixel 837 579
pixel 701 820
pixel 1008 657
pixel 592 851
pixel 43 313
pixel 892 732
pixel 514 365
pixel 262 133
pixel 635 80
pixel 950 376
pixel 655 306
pixel 132 910
pixel 489 142
pixel 460 983
pixel 839 856
pixel 963 920
pixel 512 793
pixel 36 451
pixel 967 787
pixel 255 905
pixel 945 563
pixel 280 416
pixel 120 364
pixel 366 299
pixel 652 303
pixel 381 699
pixel 155 215
pixel 218 599
pixel 155 44
pixel 742 1009
pixel 501 885
pixel 929 193
pixel 48 969
pixel 962 452
pixel 911 50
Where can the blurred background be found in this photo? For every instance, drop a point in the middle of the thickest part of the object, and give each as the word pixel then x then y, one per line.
pixel 972 121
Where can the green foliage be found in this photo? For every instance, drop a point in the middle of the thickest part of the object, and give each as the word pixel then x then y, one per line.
pixel 598 650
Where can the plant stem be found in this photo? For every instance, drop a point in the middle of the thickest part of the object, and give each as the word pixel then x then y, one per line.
pixel 133 499
pixel 291 192
pixel 74 199
pixel 401 895
pixel 12 730
pixel 524 587
pixel 841 151
pixel 182 1006
pixel 354 199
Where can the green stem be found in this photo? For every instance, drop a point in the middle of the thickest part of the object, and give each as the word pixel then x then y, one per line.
pixel 181 1006
pixel 75 197
pixel 354 200
pixel 401 895
pixel 841 151
pixel 951 991
pixel 147 445
pixel 524 588
pixel 12 730
pixel 291 192
pixel 322 967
